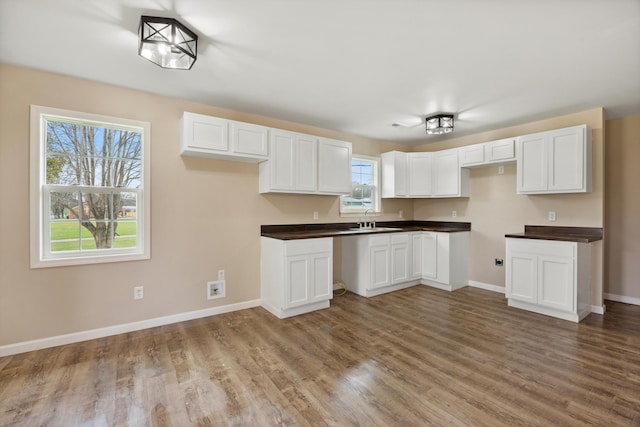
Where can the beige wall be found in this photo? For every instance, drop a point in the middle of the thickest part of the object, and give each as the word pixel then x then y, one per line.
pixel 205 216
pixel 622 207
pixel 494 208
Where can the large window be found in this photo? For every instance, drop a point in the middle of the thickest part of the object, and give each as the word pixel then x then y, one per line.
pixel 365 194
pixel 89 188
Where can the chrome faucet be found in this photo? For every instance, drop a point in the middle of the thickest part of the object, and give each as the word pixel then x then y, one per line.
pixel 365 223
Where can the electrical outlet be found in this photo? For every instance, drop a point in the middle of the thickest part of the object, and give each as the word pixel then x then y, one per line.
pixel 138 292
pixel 500 170
pixel 454 214
pixel 552 215
pixel 499 262
pixel 315 215
pixel 216 289
pixel 401 214
pixel 220 274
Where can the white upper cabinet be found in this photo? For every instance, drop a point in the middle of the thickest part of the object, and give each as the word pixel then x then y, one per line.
pixel 214 137
pixel 419 174
pixel 305 164
pixel 423 174
pixel 449 180
pixel 557 161
pixel 488 153
pixel 249 139
pixel 394 174
pixel 334 166
pixel 291 167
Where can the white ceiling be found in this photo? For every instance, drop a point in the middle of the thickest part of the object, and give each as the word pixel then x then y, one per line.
pixel 355 66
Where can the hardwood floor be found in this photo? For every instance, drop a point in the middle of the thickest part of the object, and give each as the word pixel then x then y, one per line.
pixel 419 356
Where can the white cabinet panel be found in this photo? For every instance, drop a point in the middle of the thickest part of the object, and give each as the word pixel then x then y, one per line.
pixel 566 160
pixel 306 162
pixel 296 275
pixel 214 137
pixel 249 139
pixel 549 277
pixel 500 151
pixel 472 155
pixel 394 174
pixel 334 167
pixel 419 174
pixel 447 175
pixel 523 277
pixel 380 266
pixel 532 170
pixel 489 153
pixel 202 134
pixel 555 279
pixel 430 255
pixel 400 258
pixel 557 161
pixel 292 164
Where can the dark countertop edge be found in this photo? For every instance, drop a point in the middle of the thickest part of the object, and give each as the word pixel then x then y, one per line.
pixel 310 231
pixel 566 234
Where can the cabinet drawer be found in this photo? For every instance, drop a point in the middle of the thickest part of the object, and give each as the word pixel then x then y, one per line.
pixel 501 150
pixel 472 155
pixel 542 247
pixel 379 240
pixel 308 246
pixel 397 238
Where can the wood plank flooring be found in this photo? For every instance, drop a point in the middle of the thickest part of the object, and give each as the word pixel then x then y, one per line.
pixel 419 356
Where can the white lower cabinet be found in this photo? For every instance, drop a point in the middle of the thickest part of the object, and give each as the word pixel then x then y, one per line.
pixel 377 264
pixel 549 277
pixel 444 259
pixel 296 275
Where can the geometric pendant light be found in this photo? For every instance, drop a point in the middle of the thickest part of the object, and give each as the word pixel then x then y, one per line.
pixel 167 43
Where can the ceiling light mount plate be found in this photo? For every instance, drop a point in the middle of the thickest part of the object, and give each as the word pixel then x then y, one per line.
pixel 167 43
pixel 439 124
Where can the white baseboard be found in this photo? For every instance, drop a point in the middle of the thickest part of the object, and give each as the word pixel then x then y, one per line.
pixel 598 309
pixel 486 286
pixel 23 347
pixel 622 298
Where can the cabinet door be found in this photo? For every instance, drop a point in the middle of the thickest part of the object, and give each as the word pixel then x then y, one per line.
pixel 321 284
pixel 522 277
pixel 532 160
pixel 380 263
pixel 400 269
pixel 204 133
pixel 249 139
pixel 566 159
pixel 334 167
pixel 282 145
pixel 419 174
pixel 446 173
pixel 556 277
pixel 472 155
pixel 502 150
pixel 305 167
pixel 429 255
pixel 298 280
pixel 416 255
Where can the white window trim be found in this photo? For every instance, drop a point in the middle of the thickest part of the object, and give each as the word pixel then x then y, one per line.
pixel 359 213
pixel 37 174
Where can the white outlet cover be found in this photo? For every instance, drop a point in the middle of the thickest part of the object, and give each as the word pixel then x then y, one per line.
pixel 552 215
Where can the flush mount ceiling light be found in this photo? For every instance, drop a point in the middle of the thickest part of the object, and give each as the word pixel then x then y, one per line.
pixel 439 124
pixel 167 43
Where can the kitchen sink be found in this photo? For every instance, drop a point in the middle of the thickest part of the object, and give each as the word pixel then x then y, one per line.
pixel 374 229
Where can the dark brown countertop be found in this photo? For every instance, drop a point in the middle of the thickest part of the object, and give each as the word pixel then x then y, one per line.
pixel 566 234
pixel 312 231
